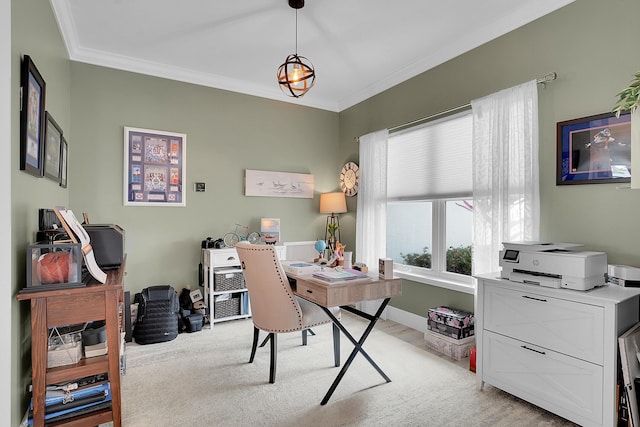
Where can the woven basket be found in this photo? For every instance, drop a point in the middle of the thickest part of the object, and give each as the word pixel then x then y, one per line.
pixel 226 308
pixel 228 280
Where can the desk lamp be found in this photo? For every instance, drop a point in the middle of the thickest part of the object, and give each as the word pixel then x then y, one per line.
pixel 332 203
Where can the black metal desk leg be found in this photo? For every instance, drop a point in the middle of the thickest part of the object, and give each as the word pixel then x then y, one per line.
pixel 357 344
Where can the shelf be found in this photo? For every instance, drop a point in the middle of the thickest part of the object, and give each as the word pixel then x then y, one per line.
pixel 52 308
pixel 84 368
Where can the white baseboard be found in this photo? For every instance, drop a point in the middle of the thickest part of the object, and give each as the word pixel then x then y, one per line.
pixel 411 320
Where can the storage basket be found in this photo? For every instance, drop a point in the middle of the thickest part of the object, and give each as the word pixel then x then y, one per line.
pixel 64 349
pixel 228 280
pixel 227 307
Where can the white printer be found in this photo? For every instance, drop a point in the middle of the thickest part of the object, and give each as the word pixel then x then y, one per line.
pixel 554 265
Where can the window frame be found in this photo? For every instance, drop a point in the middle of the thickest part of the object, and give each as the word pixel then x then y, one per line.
pixel 437 274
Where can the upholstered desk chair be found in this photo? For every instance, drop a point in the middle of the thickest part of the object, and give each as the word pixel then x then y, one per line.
pixel 274 307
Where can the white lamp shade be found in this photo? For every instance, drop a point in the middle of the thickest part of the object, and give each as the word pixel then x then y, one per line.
pixel 333 203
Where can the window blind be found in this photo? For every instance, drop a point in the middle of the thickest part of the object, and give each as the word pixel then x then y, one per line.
pixel 431 161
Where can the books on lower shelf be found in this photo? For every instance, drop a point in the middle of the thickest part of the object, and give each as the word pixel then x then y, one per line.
pixel 335 276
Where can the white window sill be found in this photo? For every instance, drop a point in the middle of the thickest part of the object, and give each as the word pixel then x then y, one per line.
pixel 441 283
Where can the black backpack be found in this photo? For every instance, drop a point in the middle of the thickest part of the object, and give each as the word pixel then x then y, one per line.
pixel 158 315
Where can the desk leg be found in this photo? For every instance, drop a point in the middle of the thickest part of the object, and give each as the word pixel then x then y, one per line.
pixel 357 344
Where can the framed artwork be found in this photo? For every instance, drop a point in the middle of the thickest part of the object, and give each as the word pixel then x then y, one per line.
pixel 33 89
pixel 52 148
pixel 154 167
pixel 278 184
pixel 63 163
pixel 594 149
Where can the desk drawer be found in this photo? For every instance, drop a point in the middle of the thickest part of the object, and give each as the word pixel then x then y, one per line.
pixel 312 292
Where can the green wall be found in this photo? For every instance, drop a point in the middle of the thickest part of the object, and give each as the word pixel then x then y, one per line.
pixel 34 32
pixel 226 134
pixel 594 62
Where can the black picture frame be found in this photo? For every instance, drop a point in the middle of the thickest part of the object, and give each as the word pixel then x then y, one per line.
pixel 64 153
pixel 594 150
pixel 52 148
pixel 33 91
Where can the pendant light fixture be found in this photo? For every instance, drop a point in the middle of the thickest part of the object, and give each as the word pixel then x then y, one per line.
pixel 296 76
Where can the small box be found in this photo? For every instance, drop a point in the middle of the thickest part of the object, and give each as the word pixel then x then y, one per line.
pixel 195 295
pixel 228 279
pixel 451 317
pixel 456 349
pixel 450 331
pixel 54 266
pixel 385 268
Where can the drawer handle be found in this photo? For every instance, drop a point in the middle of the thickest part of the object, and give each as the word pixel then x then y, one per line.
pixel 533 349
pixel 231 258
pixel 536 299
pixel 309 291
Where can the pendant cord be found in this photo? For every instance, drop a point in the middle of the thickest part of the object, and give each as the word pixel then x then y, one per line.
pixel 296 32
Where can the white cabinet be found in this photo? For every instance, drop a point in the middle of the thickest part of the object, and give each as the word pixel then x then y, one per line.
pixel 224 290
pixel 556 348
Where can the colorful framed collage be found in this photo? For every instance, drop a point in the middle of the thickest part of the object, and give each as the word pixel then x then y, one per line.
pixel 154 167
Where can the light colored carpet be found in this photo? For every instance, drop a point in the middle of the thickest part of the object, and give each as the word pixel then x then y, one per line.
pixel 204 379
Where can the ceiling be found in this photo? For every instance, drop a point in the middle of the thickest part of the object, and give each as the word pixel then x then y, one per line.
pixel 359 48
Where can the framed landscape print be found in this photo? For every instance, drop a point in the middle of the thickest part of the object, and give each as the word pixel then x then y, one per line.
pixel 33 90
pixel 594 149
pixel 154 167
pixel 52 144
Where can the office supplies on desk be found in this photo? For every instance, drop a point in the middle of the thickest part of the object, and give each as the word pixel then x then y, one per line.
pixel 333 276
pixel 300 267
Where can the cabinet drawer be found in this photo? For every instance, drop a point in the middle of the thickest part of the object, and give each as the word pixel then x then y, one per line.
pixel 221 257
pixel 567 327
pixel 312 292
pixel 565 385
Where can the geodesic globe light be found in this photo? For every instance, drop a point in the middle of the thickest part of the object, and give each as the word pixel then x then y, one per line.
pixel 296 76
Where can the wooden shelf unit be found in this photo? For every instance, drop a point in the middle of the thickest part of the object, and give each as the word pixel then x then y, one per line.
pixel 51 308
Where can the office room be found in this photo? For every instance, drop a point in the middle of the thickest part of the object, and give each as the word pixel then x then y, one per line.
pixel 589 44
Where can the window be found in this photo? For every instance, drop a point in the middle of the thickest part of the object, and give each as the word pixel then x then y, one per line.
pixel 429 200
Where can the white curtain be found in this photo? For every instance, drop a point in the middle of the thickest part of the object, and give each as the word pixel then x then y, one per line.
pixel 371 217
pixel 506 199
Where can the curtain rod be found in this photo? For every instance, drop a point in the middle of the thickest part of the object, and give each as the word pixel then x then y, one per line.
pixel 549 77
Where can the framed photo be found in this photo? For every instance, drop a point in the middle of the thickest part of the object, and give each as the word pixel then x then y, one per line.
pixel 63 163
pixel 52 148
pixel 154 167
pixel 33 90
pixel 594 149
pixel 278 184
